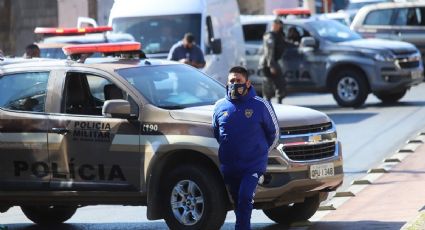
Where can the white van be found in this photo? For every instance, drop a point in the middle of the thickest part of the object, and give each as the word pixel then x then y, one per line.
pixel 161 23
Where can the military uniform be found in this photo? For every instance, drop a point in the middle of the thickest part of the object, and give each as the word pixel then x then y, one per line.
pixel 273 47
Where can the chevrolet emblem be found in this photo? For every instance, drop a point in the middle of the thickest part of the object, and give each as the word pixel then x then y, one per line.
pixel 315 139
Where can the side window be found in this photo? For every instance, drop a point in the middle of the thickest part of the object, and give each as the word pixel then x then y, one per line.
pixel 415 16
pixel 401 19
pixel 293 34
pixel 379 17
pixel 254 32
pixel 24 91
pixel 85 94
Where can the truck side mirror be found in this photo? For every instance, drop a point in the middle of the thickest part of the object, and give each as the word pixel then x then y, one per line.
pixel 215 45
pixel 117 108
pixel 308 42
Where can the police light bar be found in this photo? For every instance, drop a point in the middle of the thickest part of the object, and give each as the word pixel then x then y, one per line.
pixel 102 48
pixel 71 31
pixel 293 11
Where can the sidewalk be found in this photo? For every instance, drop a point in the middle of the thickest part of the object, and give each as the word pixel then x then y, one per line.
pixel 392 201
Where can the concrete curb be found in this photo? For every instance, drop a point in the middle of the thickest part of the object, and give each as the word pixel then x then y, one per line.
pixel 418 223
pixel 375 173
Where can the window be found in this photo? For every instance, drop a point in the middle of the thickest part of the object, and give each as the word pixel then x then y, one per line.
pixel 85 94
pixel 159 33
pixel 379 17
pixel 24 91
pixel 410 16
pixel 293 34
pixel 254 32
pixel 174 86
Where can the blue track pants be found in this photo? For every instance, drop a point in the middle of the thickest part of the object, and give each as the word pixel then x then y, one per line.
pixel 242 188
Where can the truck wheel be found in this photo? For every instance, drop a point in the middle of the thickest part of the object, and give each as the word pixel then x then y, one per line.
pixel 292 213
pixel 389 98
pixel 46 215
pixel 194 198
pixel 350 88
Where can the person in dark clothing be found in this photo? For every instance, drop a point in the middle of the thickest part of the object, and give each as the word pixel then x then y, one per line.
pixel 273 47
pixel 32 51
pixel 294 36
pixel 246 128
pixel 186 51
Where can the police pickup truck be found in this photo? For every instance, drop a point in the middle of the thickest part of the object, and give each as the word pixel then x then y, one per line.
pixel 324 55
pixel 134 131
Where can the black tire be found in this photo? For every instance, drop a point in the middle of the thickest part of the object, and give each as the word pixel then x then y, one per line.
pixel 390 98
pixel 350 88
pixel 297 212
pixel 205 203
pixel 48 215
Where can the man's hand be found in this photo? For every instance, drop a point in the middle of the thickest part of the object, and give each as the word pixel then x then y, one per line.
pixel 273 71
pixel 185 61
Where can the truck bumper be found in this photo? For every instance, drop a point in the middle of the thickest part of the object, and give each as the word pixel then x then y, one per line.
pixel 389 77
pixel 293 182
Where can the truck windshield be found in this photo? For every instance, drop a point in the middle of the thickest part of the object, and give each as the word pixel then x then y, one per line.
pixel 334 31
pixel 158 33
pixel 174 86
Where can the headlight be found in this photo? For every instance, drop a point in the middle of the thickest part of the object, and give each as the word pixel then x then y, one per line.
pixel 384 57
pixel 379 56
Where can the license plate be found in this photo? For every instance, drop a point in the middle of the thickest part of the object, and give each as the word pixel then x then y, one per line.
pixel 321 171
pixel 416 74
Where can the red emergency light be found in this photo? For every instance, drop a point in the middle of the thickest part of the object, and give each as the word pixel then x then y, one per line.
pixel 71 31
pixel 102 48
pixel 293 11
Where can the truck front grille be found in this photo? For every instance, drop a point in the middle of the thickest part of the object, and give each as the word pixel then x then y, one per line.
pixel 409 64
pixel 305 129
pixel 310 152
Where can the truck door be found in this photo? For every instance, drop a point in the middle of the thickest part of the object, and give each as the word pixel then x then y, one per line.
pixel 89 151
pixel 298 62
pixel 24 161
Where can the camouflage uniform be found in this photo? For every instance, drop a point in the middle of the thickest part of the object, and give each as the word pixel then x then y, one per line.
pixel 273 46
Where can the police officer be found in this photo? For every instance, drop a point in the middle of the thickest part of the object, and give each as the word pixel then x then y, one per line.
pixel 246 128
pixel 273 47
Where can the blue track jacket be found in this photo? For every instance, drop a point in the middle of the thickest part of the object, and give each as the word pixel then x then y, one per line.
pixel 246 129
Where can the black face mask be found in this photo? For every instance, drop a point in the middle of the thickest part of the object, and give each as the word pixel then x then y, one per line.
pixel 235 91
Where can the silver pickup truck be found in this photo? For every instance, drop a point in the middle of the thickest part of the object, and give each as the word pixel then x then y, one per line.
pixel 326 56
pixel 138 132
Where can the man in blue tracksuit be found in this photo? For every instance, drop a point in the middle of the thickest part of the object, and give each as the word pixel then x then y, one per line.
pixel 246 128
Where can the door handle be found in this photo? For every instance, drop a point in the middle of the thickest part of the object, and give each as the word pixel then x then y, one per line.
pixel 62 131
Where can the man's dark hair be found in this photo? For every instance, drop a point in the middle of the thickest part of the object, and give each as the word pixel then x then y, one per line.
pixel 32 47
pixel 189 37
pixel 278 21
pixel 240 70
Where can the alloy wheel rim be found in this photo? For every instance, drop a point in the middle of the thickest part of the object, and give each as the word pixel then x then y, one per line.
pixel 348 88
pixel 187 202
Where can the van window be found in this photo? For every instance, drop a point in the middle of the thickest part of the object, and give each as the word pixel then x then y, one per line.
pixel 413 16
pixel 24 91
pixel 254 32
pixel 379 17
pixel 159 33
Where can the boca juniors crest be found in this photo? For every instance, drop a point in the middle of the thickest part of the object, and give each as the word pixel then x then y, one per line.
pixel 248 113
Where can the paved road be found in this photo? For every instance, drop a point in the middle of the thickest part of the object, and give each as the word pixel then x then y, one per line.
pixel 369 134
